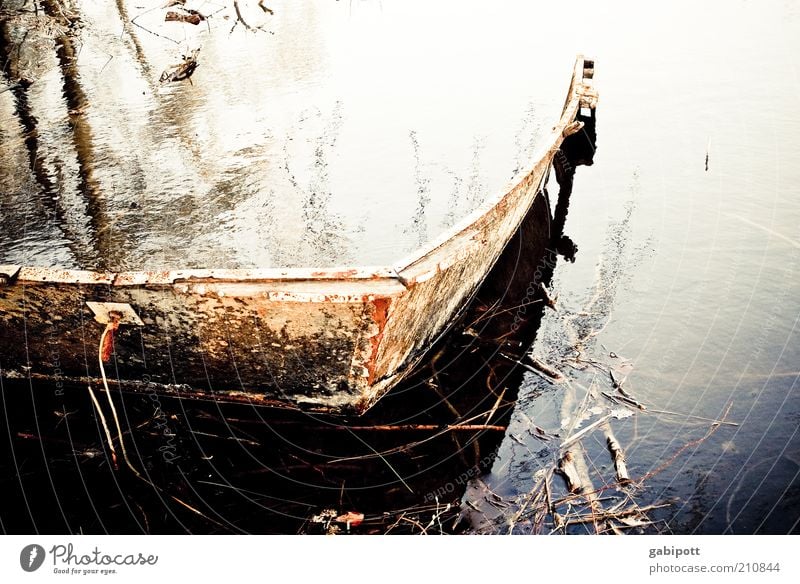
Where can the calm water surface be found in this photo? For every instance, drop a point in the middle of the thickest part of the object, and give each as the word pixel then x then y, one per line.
pixel 333 136
pixel 686 282
pixel 687 273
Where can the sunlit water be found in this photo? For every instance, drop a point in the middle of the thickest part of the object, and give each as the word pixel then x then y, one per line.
pixel 689 274
pixel 335 134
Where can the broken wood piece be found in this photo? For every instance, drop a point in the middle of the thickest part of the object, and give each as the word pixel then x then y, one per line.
pixel 619 388
pixel 188 16
pixel 629 397
pixel 540 433
pixel 612 398
pixel 618 456
pixel 551 372
pixel 569 472
pixel 550 375
pixel 572 128
pixel 622 398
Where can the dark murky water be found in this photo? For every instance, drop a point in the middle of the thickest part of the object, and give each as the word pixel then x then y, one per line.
pixel 685 283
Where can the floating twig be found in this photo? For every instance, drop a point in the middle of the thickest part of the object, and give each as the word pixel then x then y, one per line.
pixel 625 399
pixel 495 406
pixel 551 372
pixel 544 371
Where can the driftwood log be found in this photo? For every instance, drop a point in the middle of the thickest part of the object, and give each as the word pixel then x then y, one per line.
pixel 618 456
pixel 569 472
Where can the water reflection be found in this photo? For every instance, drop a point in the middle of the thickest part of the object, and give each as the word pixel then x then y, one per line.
pixel 289 144
pixel 35 219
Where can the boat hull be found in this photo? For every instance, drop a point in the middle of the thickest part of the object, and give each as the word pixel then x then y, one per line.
pixel 325 340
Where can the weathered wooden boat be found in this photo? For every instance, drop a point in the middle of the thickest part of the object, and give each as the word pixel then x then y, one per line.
pixel 319 339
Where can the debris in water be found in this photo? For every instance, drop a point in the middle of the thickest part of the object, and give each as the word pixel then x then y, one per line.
pixel 188 16
pixel 245 23
pixel 182 70
pixel 351 519
pixel 569 472
pixel 549 371
pixel 618 456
